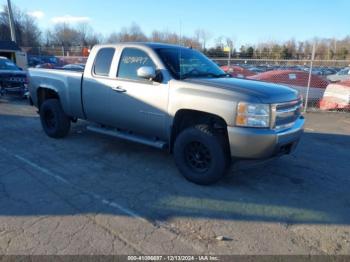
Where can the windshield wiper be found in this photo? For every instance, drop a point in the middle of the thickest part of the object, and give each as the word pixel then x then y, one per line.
pixel 189 75
pixel 221 75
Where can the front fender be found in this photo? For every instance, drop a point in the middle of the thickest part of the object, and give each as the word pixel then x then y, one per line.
pixel 215 103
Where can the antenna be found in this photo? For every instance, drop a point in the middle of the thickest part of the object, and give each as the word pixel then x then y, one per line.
pixel 180 33
pixel 180 40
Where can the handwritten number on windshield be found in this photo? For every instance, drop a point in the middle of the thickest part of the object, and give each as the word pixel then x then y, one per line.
pixel 141 60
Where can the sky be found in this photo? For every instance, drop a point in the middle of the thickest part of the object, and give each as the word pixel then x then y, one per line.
pixel 245 21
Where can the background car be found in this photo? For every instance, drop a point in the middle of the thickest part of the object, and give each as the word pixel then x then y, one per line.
pixel 343 74
pixel 237 71
pixel 337 96
pixel 12 78
pixel 74 67
pixel 297 80
pixel 39 61
pixel 46 65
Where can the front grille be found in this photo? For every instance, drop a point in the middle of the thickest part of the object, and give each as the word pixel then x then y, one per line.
pixel 15 79
pixel 11 84
pixel 285 114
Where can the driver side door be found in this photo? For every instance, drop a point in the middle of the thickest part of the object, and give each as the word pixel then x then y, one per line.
pixel 141 104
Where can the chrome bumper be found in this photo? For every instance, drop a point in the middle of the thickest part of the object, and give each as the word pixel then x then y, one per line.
pixel 254 143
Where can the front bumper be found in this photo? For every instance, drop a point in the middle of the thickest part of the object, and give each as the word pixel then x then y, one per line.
pixel 18 89
pixel 254 143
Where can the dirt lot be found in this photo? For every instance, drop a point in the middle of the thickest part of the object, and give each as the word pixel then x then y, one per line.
pixel 90 194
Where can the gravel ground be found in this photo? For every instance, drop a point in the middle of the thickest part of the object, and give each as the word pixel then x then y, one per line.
pixel 91 194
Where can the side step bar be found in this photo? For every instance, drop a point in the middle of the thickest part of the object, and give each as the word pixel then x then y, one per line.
pixel 131 137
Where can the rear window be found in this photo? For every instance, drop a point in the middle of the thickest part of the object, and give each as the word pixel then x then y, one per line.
pixel 103 61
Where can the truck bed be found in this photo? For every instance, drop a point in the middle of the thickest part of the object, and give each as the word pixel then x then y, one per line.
pixel 67 83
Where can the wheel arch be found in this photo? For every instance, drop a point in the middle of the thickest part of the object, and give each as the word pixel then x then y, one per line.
pixel 44 93
pixel 185 118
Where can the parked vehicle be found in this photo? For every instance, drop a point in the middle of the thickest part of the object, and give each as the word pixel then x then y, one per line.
pixel 173 98
pixel 13 80
pixel 298 80
pixel 337 96
pixel 47 66
pixel 42 61
pixel 343 74
pixel 237 71
pixel 33 61
pixel 256 69
pixel 74 67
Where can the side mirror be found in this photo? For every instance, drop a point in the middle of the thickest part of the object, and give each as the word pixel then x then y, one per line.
pixel 146 72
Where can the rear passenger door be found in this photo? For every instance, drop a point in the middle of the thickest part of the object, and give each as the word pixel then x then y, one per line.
pixel 97 86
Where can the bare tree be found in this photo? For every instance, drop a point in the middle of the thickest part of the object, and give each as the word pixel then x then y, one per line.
pixel 64 35
pixel 157 36
pixel 84 31
pixel 132 33
pixel 26 28
pixel 202 36
pixel 29 35
pixel 87 36
pixel 113 38
pixel 67 35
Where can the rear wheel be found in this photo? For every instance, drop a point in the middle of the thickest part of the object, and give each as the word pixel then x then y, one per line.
pixel 201 155
pixel 54 121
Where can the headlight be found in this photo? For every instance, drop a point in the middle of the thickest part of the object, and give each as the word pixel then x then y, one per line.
pixel 253 115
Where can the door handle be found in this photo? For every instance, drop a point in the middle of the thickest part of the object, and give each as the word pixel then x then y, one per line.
pixel 119 89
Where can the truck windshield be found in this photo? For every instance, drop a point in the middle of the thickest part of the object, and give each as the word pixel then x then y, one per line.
pixel 187 63
pixel 6 64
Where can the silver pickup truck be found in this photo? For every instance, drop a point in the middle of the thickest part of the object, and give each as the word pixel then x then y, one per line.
pixel 174 98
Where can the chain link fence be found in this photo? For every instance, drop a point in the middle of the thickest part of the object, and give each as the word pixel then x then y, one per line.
pixel 323 84
pixel 56 56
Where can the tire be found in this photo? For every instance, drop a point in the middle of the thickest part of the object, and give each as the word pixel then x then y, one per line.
pixel 200 155
pixel 54 121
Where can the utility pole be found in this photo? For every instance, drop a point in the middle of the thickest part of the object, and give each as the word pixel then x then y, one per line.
pixel 11 21
pixel 229 49
pixel 229 57
pixel 310 77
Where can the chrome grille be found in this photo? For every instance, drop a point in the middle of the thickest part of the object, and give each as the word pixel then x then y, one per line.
pixel 16 79
pixel 285 114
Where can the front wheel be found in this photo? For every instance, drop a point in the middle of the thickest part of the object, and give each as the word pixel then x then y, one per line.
pixel 201 155
pixel 54 121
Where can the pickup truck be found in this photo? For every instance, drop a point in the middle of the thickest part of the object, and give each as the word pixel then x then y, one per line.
pixel 13 80
pixel 173 98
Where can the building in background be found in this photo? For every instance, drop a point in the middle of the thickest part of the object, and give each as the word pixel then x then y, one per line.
pixel 11 50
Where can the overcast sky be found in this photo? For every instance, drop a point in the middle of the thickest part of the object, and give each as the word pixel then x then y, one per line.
pixel 245 21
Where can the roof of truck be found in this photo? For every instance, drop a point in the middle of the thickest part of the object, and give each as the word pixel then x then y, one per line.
pixel 152 45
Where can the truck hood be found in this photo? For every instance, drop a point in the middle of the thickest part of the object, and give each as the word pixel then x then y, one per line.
pixel 4 73
pixel 263 91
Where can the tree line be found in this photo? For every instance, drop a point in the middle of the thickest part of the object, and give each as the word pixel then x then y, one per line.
pixel 67 36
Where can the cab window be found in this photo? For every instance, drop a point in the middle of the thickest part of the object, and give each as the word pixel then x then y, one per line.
pixel 131 60
pixel 103 61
